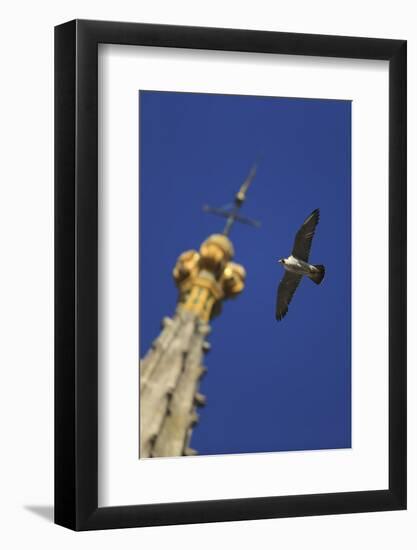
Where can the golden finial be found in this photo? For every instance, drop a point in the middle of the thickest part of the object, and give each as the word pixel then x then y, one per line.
pixel 207 277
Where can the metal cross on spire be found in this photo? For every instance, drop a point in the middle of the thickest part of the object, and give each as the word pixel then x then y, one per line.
pixel 231 212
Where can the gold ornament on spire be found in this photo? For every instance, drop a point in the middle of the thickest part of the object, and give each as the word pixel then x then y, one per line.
pixel 207 277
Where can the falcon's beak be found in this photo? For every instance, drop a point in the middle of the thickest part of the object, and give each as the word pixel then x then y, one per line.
pixel 279 261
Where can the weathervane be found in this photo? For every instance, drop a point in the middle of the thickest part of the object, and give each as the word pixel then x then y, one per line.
pixel 231 211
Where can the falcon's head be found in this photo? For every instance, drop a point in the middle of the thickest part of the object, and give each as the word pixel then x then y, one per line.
pixel 281 261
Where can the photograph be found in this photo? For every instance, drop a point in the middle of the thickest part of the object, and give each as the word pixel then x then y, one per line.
pixel 209 217
pixel 244 274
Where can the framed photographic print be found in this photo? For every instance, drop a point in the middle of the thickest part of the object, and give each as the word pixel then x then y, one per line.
pixel 230 338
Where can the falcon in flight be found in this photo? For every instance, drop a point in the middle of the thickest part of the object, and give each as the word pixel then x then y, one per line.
pixel 296 265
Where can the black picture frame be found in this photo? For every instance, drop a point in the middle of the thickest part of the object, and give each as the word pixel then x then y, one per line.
pixel 76 272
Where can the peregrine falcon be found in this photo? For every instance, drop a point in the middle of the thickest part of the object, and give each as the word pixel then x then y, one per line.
pixel 296 265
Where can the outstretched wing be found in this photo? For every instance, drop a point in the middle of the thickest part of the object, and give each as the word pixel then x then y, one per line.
pixel 304 237
pixel 286 289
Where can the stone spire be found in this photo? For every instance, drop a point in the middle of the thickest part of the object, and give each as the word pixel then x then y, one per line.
pixel 170 372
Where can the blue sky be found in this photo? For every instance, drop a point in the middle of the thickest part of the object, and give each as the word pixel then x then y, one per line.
pixel 270 386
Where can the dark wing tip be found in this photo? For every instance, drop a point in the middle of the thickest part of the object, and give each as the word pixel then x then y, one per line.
pixel 316 214
pixel 279 315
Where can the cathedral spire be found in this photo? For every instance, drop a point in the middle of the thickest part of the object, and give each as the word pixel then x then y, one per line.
pixel 171 370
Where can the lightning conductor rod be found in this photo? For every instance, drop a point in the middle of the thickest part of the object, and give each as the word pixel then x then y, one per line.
pixel 240 198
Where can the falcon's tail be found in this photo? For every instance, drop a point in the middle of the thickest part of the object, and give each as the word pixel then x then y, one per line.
pixel 318 276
